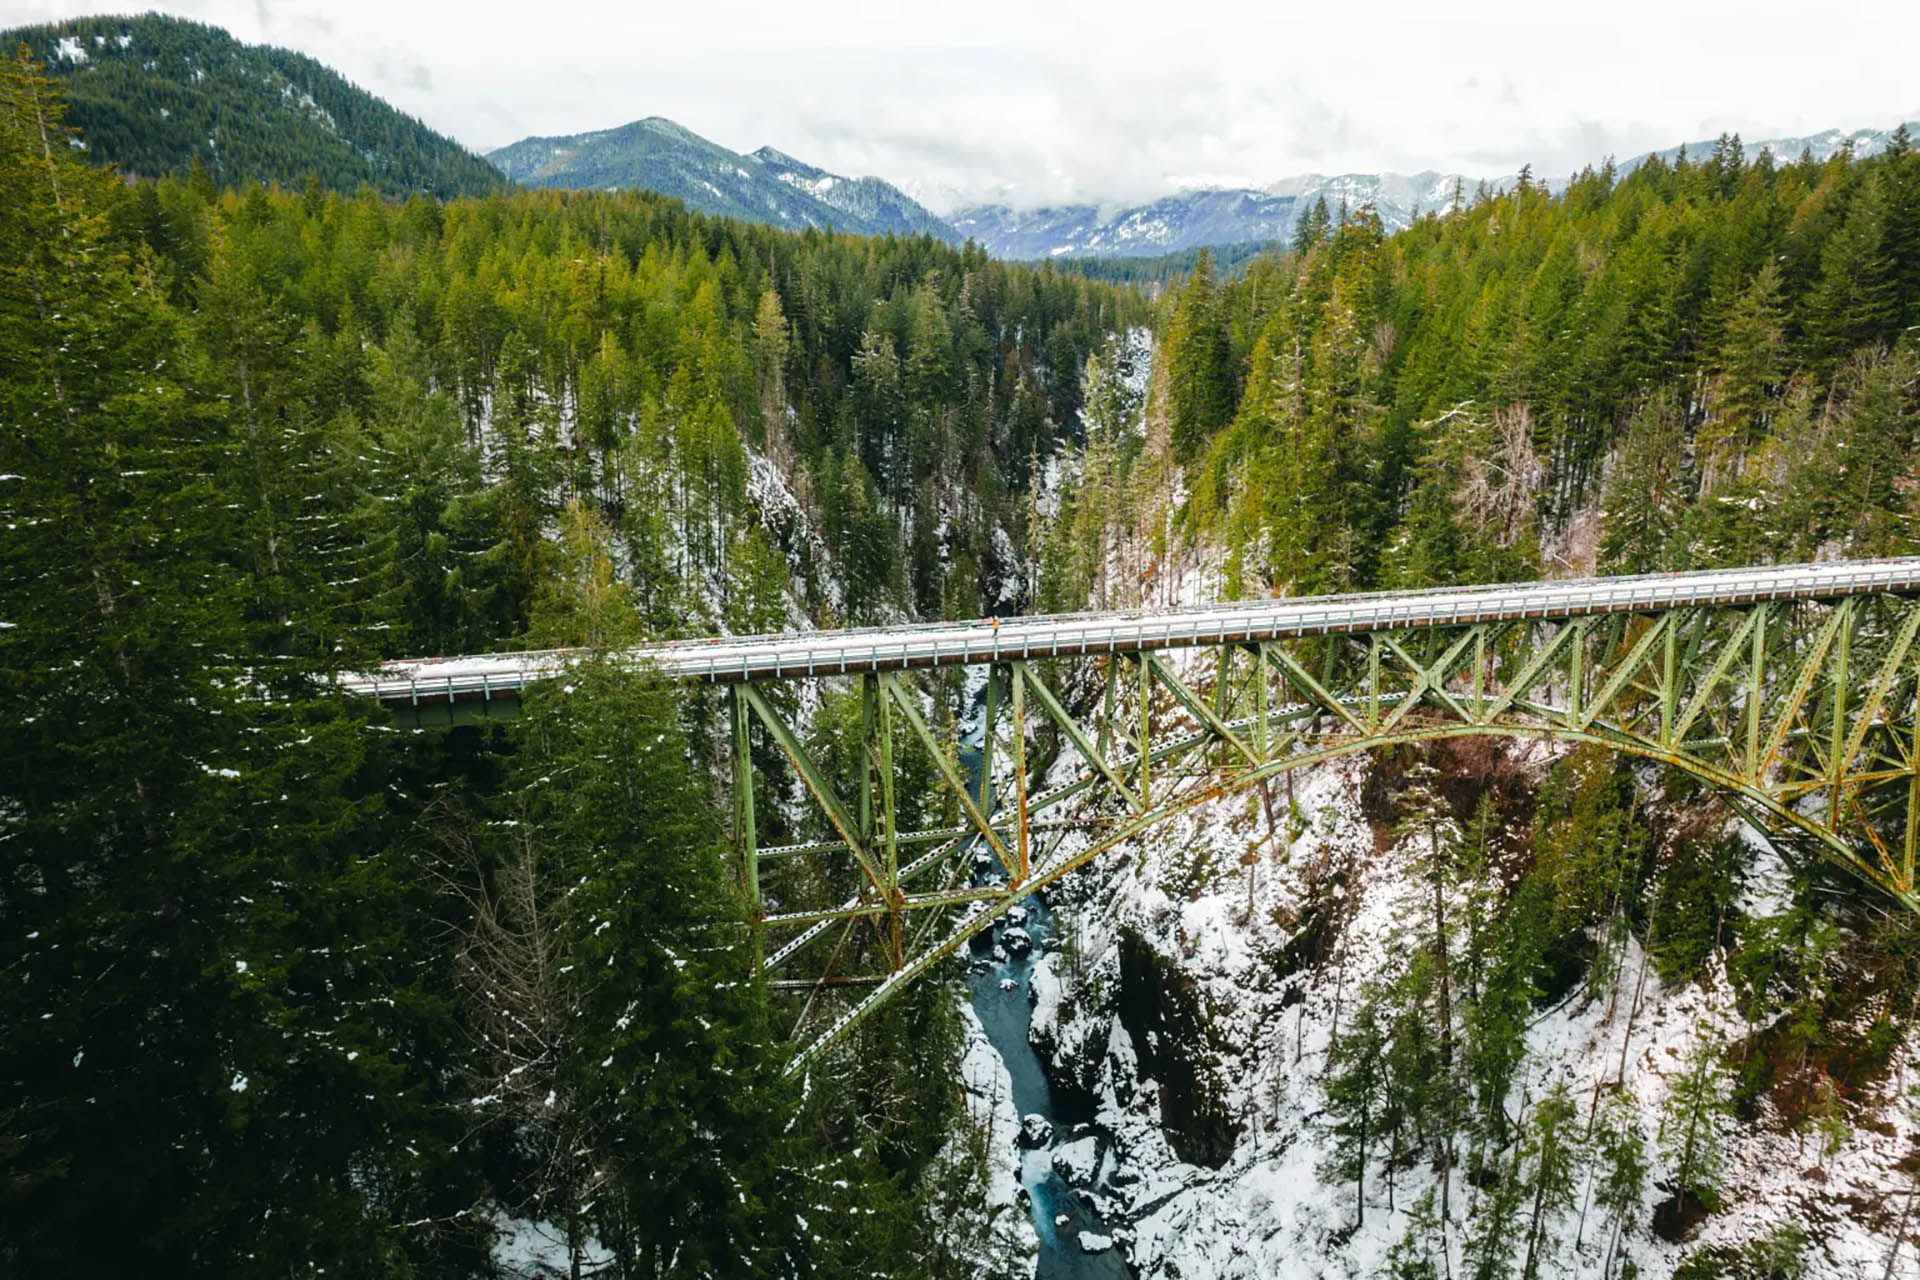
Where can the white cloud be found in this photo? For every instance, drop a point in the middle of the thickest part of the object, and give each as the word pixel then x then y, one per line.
pixel 1043 103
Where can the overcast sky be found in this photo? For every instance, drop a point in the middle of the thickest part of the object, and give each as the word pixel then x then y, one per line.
pixel 1034 102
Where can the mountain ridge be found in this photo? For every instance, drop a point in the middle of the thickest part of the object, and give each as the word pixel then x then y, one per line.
pixel 1191 219
pixel 767 185
pixel 152 95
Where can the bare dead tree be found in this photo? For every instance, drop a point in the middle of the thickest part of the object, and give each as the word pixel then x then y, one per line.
pixel 1500 474
pixel 511 964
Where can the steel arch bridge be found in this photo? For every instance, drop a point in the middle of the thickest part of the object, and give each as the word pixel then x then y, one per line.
pixel 1789 689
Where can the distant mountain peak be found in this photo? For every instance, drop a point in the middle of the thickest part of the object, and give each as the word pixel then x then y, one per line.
pixel 767 185
pixel 778 159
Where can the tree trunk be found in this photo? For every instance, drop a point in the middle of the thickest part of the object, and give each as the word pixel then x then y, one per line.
pixel 1900 1233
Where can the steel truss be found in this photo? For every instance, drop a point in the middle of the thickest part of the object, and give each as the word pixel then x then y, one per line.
pixel 1801 713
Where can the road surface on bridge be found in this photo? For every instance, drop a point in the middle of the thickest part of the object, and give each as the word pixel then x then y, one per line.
pixel 943 644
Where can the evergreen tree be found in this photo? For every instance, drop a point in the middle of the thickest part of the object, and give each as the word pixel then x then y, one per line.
pixel 1692 1127
pixel 1620 1147
pixel 1197 354
pixel 1356 1086
pixel 1553 1150
pixel 1752 369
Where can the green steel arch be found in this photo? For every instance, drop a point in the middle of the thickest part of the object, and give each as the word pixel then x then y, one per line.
pixel 1801 713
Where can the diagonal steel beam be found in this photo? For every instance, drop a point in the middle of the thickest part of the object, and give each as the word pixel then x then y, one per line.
pixel 815 781
pixel 1301 679
pixel 1427 680
pixel 949 773
pixel 1200 710
pixel 1623 672
pixel 1705 691
pixel 1088 750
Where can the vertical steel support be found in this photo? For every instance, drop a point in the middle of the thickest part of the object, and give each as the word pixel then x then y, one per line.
pixel 744 841
pixel 1757 665
pixel 869 714
pixel 1261 709
pixel 1480 671
pixel 1020 857
pixel 883 728
pixel 1837 757
pixel 1577 669
pixel 1106 719
pixel 990 726
pixel 1669 690
pixel 1218 697
pixel 1145 738
pixel 1373 681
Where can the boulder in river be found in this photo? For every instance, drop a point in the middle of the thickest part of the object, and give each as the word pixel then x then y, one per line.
pixel 1094 1242
pixel 1008 984
pixel 1078 1161
pixel 1017 942
pixel 1036 1131
pixel 1016 915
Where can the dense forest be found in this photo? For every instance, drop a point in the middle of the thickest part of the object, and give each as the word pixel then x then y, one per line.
pixel 1705 362
pixel 287 991
pixel 1708 362
pixel 1163 269
pixel 154 95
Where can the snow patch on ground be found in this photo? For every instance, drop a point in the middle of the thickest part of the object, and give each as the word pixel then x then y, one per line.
pixel 1014 1247
pixel 1223 921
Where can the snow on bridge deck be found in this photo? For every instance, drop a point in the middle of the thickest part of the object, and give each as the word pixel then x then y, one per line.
pixel 947 644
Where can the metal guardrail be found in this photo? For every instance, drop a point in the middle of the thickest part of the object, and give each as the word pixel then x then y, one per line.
pixel 740 658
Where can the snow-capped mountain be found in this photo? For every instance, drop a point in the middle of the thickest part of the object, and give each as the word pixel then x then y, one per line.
pixel 1821 146
pixel 871 200
pixel 1171 223
pixel 773 187
pixel 1217 216
pixel 767 186
pixel 1398 198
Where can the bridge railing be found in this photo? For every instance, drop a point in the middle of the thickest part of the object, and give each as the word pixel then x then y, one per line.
pixel 805 654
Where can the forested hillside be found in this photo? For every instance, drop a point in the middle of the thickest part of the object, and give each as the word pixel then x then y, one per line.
pixel 292 992
pixel 1710 362
pixel 155 96
pixel 1491 1008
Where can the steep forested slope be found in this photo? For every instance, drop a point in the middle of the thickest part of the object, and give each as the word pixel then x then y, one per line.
pixel 295 992
pixel 1493 1009
pixel 1704 363
pixel 154 95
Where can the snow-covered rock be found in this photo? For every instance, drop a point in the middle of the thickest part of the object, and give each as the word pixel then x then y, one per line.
pixel 1014 1245
pixel 1077 1161
pixel 1036 1131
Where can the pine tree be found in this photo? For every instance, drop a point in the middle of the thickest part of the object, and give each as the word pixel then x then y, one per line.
pixel 1619 1145
pixel 1315 225
pixel 1752 369
pixel 1857 299
pixel 1553 1149
pixel 1647 492
pixel 200 915
pixel 1196 354
pixel 1692 1125
pixel 1356 1094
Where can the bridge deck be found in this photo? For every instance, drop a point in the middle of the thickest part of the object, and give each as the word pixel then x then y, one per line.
pixel 945 644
